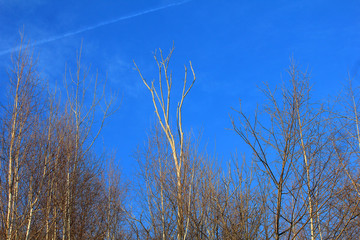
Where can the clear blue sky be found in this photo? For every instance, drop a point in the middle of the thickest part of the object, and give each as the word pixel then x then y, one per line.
pixel 234 47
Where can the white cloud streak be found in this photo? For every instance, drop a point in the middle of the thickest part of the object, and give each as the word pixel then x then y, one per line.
pixel 92 27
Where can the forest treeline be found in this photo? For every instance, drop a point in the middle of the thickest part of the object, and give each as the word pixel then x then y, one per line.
pixel 302 181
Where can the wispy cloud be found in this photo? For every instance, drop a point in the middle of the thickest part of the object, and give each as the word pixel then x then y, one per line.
pixel 92 27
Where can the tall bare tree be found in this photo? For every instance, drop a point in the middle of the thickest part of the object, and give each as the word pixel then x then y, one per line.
pixel 185 195
pixel 161 103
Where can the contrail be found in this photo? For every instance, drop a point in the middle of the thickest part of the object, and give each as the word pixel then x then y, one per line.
pixel 88 28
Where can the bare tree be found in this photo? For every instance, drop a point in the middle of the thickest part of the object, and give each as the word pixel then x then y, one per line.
pixel 83 124
pixel 161 104
pixel 295 153
pixel 185 194
pixel 51 183
pixel 21 117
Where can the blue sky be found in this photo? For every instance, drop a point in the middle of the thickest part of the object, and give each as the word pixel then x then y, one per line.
pixel 234 46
